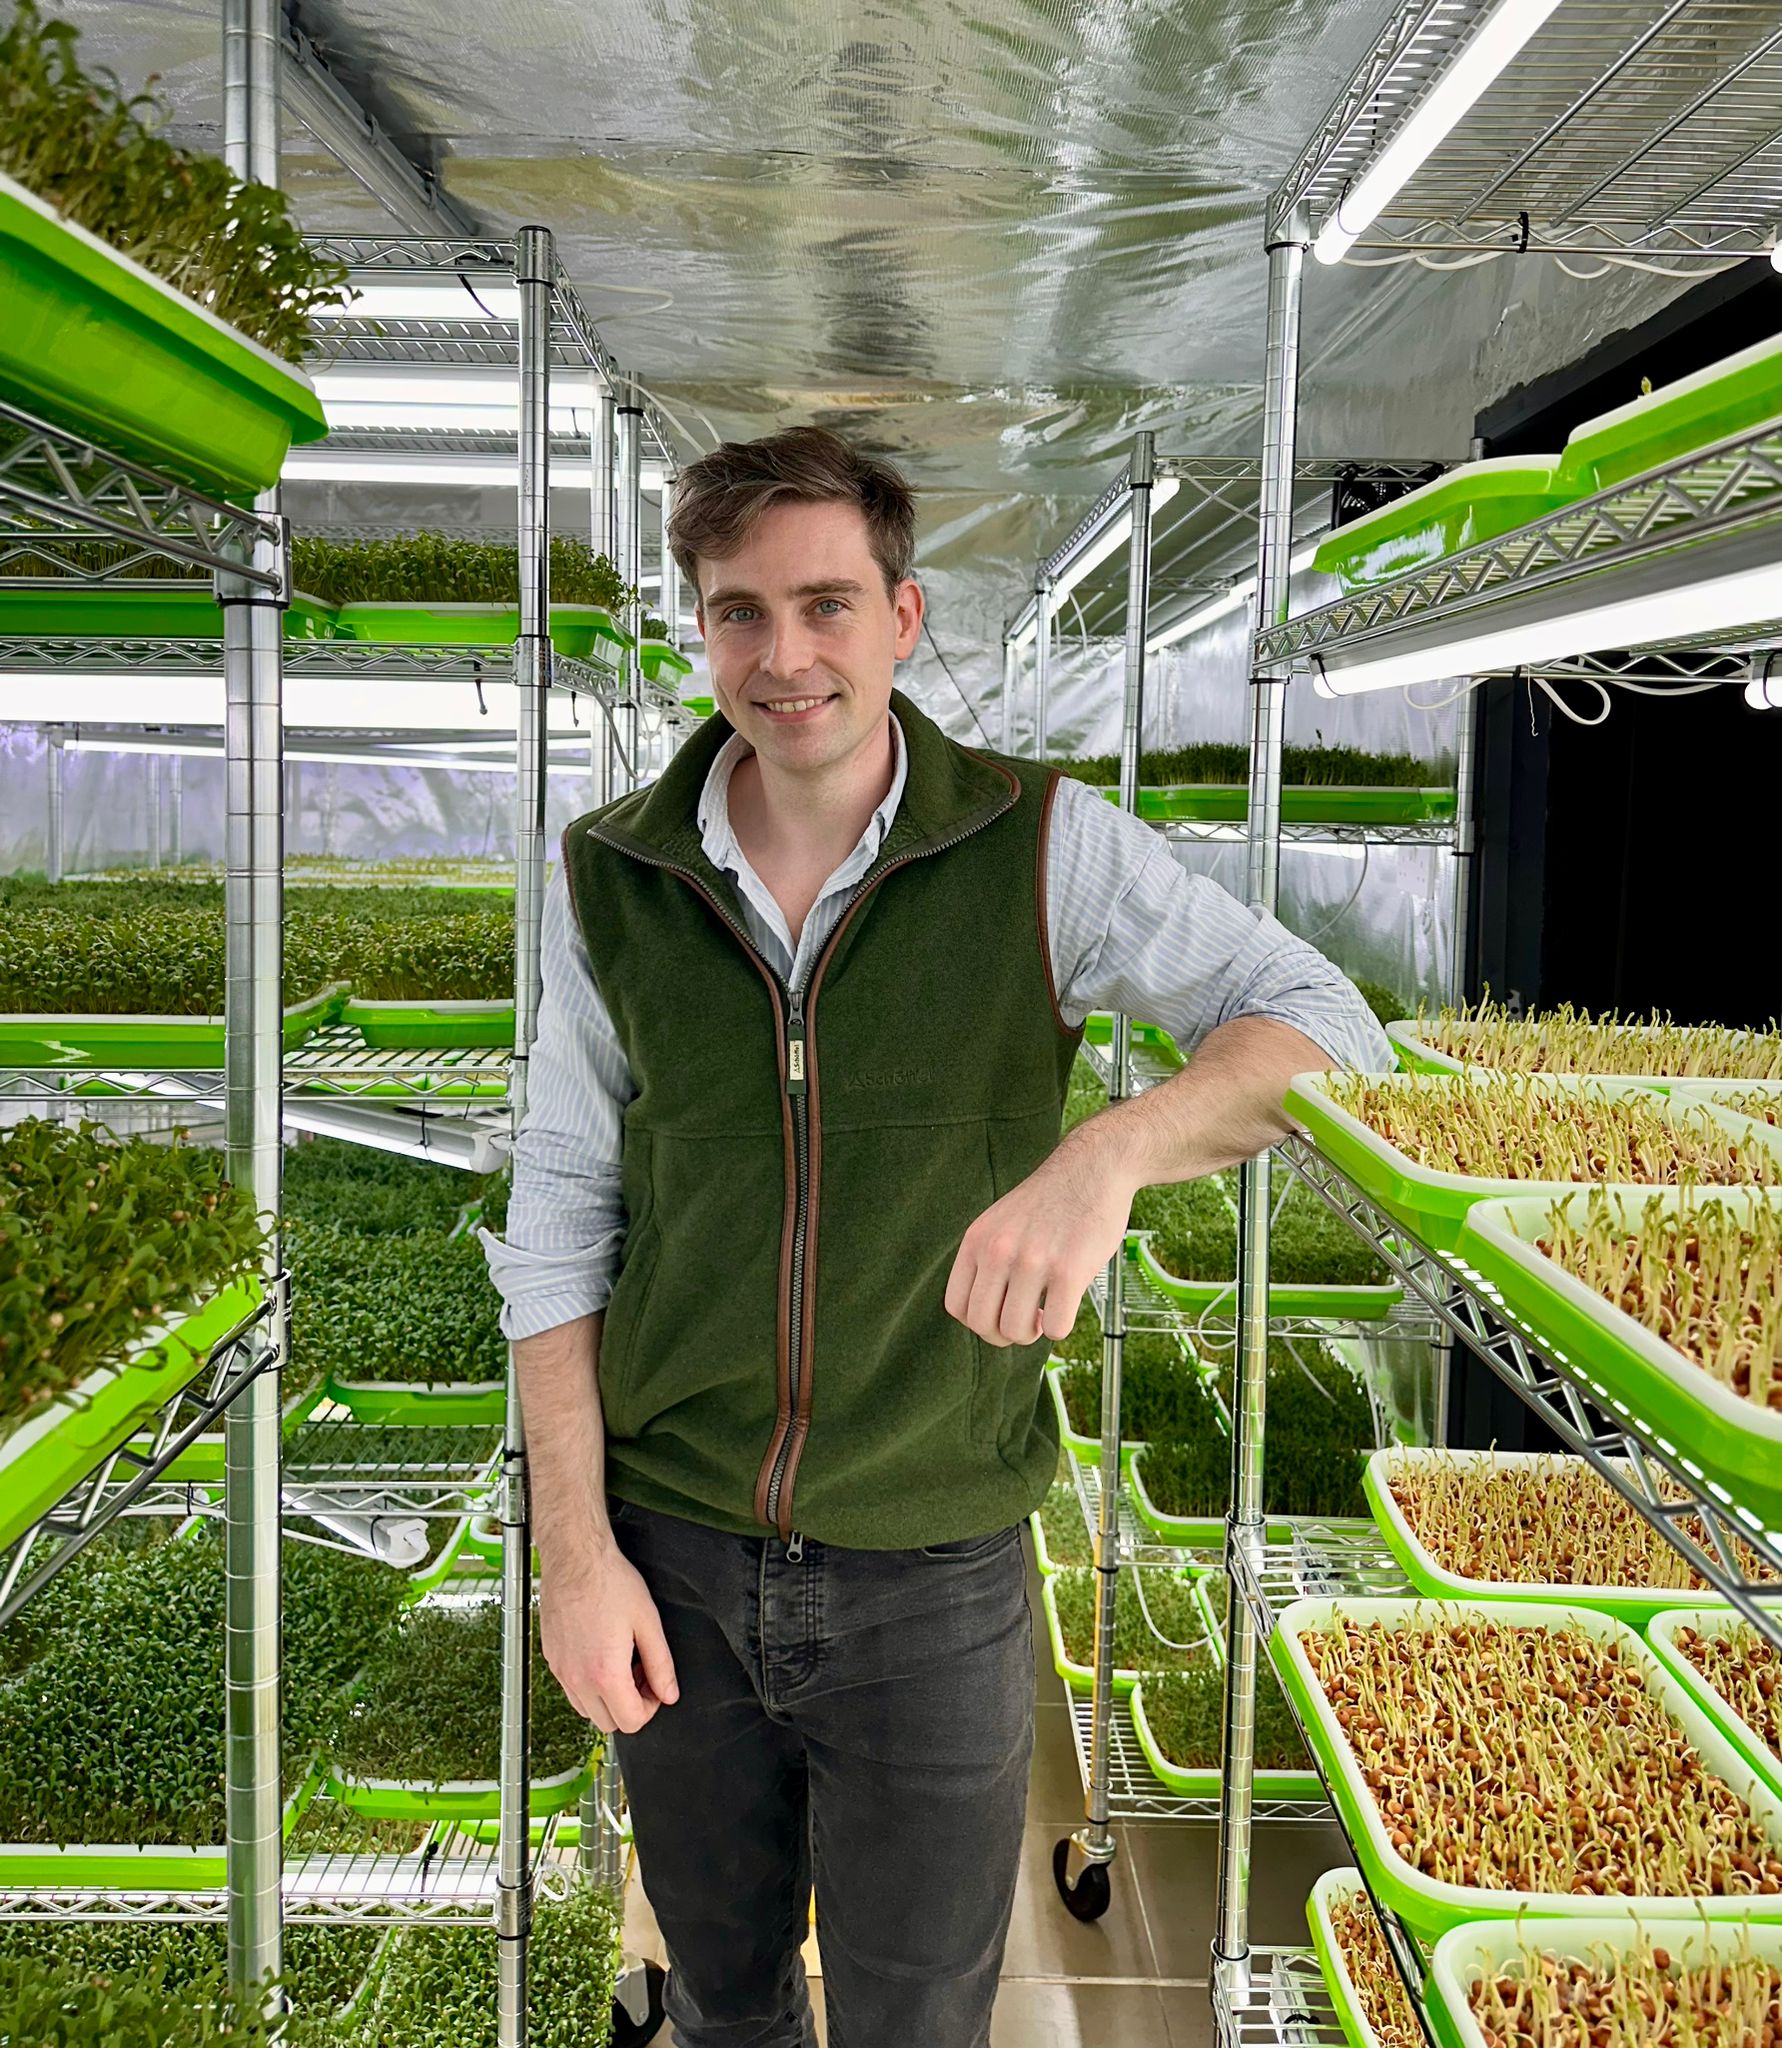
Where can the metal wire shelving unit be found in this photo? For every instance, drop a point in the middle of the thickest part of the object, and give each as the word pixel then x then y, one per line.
pixel 462 1106
pixel 1617 133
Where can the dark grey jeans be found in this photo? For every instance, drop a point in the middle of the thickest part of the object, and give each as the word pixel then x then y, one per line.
pixel 860 1718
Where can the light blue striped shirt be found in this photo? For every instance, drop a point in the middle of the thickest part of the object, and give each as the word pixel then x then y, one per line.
pixel 1130 929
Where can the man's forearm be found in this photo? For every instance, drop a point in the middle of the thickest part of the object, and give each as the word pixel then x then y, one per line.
pixel 558 1371
pixel 1223 1107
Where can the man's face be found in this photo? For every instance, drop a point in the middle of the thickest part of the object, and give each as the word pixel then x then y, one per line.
pixel 802 636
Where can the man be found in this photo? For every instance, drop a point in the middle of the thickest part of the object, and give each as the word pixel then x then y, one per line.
pixel 790 1225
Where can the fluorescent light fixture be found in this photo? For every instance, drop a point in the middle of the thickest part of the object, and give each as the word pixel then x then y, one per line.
pixel 1115 537
pixel 323 465
pixel 1740 597
pixel 202 750
pixel 1776 250
pixel 442 300
pixel 409 386
pixel 1218 608
pixel 352 414
pixel 1498 39
pixel 1764 694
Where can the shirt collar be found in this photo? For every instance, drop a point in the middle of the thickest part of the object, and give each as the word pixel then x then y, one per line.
pixel 715 831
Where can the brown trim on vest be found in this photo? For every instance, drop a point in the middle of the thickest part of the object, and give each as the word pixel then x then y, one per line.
pixel 1042 910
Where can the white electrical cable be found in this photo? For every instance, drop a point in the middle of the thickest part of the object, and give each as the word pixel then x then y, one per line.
pixel 1577 717
pixel 1082 623
pixel 1330 923
pixel 674 419
pixel 1467 685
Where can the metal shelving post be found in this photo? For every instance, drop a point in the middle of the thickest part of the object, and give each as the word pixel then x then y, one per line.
pixel 1042 661
pixel 253 746
pixel 628 727
pixel 669 592
pixel 56 757
pixel 535 272
pixel 1231 1942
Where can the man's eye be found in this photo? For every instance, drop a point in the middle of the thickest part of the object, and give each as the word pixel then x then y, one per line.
pixel 829 606
pixel 739 615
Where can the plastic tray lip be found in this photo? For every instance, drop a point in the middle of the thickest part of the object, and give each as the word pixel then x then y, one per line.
pixel 1652 405
pixel 1366 1301
pixel 1661 1635
pixel 1079 1677
pixel 1343 1882
pixel 1717 1751
pixel 1203 1781
pixel 1493 1941
pixel 340 1783
pixel 1493 476
pixel 1492 1222
pixel 1408 1547
pixel 1309 1091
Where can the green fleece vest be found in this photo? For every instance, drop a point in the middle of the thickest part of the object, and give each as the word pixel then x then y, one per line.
pixel 800 1164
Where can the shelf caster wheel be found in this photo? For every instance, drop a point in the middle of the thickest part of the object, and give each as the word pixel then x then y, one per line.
pixel 1092 1893
pixel 637 2005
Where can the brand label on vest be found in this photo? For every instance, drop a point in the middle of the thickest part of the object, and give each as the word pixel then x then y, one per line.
pixel 795 1069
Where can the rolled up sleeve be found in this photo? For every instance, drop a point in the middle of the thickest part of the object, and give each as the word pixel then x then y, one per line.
pixel 1132 930
pixel 566 1211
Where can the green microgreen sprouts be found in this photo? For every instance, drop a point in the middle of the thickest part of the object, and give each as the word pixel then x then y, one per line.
pixel 1157 1626
pixel 1637 1996
pixel 1185 1711
pixel 1572 1041
pixel 438 568
pixel 1229 762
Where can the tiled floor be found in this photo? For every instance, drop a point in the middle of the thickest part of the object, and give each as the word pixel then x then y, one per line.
pixel 1136 1978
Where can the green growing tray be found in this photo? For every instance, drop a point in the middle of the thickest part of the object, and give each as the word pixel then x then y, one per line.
pixel 1726 1442
pixel 102 1040
pixel 438 1402
pixel 1484 1948
pixel 1432 1203
pixel 1086 1449
pixel 1099 1030
pixel 1429 1906
pixel 1632 1604
pixel 701 707
pixel 111 611
pixel 1417 1054
pixel 125 1866
pixel 1077 1676
pixel 97 344
pixel 60 1445
pixel 1332 1887
pixel 1661 1637
pixel 203 1463
pixel 459 1799
pixel 1222 803
pixel 1475 502
pixel 1285 1298
pixel 1206 1781
pixel 657 658
pixel 1185 1532
pixel 577 630
pixel 1727 398
pixel 409 1027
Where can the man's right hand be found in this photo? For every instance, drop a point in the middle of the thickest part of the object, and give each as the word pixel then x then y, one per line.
pixel 603 1640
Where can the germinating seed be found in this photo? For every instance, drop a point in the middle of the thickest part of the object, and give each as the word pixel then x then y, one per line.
pixel 1705 1280
pixel 1505 1127
pixel 1639 1997
pixel 1384 2000
pixel 1548 1521
pixel 1745 1668
pixel 1572 1041
pixel 1533 1759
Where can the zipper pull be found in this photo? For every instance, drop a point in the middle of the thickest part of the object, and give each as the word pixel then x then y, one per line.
pixel 795 1549
pixel 795 1082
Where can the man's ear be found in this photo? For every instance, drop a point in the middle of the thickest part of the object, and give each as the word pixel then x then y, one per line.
pixel 909 606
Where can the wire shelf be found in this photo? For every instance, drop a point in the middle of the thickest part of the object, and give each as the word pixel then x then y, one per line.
pixel 1727 1547
pixel 1275 1998
pixel 337 1061
pixel 53 479
pixel 1616 130
pixel 121 1480
pixel 1724 501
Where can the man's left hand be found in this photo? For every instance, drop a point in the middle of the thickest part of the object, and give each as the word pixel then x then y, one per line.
pixel 1027 1261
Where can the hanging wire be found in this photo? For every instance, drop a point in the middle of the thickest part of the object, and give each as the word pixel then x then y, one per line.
pixel 1550 690
pixel 1337 916
pixel 953 679
pixel 674 418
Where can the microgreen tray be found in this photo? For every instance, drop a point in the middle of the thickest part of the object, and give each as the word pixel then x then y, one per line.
pixel 127 1866
pixel 1331 1890
pixel 1085 1448
pixel 1042 1557
pixel 1079 1677
pixel 1429 1906
pixel 104 1040
pixel 416 1026
pixel 577 630
pixel 1099 1030
pixel 1716 1434
pixel 657 658
pixel 1205 1781
pixel 110 611
pixel 1661 1637
pixel 58 1446
pixel 458 1799
pixel 1185 1531
pixel 1769 1093
pixel 440 1402
pixel 97 343
pixel 1726 398
pixel 1477 501
pixel 1434 1203
pixel 1419 1056
pixel 1632 1604
pixel 1285 1298
pixel 1228 803
pixel 1487 1948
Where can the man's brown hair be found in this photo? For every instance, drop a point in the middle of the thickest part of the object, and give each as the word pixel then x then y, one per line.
pixel 719 498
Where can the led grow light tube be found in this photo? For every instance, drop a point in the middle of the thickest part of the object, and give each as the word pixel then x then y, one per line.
pixel 1712 607
pixel 1218 608
pixel 1481 59
pixel 368 465
pixel 1112 538
pixel 201 750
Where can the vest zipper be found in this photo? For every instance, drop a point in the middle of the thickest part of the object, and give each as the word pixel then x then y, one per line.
pixel 800 1059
